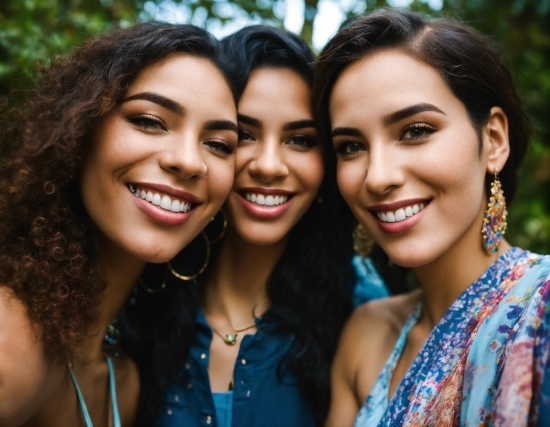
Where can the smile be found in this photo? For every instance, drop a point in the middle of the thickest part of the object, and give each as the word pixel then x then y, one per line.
pixel 266 200
pixel 401 213
pixel 163 201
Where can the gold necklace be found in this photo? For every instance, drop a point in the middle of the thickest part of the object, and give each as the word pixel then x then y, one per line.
pixel 231 339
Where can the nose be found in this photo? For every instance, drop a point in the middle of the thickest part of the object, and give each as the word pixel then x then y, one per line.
pixel 184 157
pixel 384 172
pixel 268 163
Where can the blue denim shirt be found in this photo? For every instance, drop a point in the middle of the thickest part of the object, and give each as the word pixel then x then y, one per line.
pixel 260 397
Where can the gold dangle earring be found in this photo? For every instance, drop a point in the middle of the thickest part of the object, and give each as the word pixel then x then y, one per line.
pixel 494 220
pixel 362 241
pixel 199 272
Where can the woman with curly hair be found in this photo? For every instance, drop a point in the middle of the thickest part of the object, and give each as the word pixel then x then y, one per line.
pixel 428 131
pixel 118 159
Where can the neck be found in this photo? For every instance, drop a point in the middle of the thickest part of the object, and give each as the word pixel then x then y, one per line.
pixel 444 279
pixel 121 272
pixel 237 286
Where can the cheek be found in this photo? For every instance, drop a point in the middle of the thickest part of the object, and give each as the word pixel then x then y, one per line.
pixel 351 177
pixel 220 179
pixel 310 172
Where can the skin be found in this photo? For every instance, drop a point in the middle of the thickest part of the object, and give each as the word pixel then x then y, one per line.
pixel 185 144
pixel 278 151
pixel 430 155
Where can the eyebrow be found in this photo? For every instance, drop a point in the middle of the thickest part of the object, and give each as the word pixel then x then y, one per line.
pixel 249 121
pixel 346 132
pixel 300 124
pixel 158 99
pixel 392 118
pixel 221 125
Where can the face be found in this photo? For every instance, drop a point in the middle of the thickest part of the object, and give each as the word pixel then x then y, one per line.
pixel 279 165
pixel 162 161
pixel 408 158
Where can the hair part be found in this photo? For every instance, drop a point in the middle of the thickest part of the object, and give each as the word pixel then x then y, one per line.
pixel 467 61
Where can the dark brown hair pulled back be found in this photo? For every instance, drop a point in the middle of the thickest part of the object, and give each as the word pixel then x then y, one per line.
pixel 465 59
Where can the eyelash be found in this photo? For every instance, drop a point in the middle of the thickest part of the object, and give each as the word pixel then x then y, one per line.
pixel 147 122
pixel 220 146
pixel 425 129
pixel 344 148
pixel 308 141
pixel 244 135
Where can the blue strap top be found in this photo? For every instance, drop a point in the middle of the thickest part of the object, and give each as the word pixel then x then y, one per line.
pixel 112 388
pixel 377 402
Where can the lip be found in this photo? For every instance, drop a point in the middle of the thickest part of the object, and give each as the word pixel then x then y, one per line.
pixel 400 226
pixel 161 215
pixel 264 212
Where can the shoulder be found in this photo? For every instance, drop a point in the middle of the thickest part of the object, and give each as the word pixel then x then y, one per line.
pixel 383 315
pixel 370 335
pixel 26 375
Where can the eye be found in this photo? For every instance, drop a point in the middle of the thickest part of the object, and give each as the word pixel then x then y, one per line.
pixel 219 146
pixel 417 131
pixel 349 147
pixel 304 141
pixel 147 122
pixel 245 136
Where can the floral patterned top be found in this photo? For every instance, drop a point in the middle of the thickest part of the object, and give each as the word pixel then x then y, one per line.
pixel 487 361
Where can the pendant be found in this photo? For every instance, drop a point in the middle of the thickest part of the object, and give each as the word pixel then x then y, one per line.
pixel 230 339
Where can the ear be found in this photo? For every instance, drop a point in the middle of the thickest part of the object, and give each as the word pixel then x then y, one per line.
pixel 495 140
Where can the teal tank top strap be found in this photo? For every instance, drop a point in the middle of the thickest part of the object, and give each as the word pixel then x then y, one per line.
pixel 112 389
pixel 112 386
pixel 83 406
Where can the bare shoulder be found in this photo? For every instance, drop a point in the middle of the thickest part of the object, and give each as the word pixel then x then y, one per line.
pixel 26 375
pixel 382 316
pixel 369 338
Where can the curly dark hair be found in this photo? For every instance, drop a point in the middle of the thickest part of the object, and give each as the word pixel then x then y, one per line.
pixel 309 289
pixel 48 244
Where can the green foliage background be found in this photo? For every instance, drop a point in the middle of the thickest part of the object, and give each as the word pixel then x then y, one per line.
pixel 33 31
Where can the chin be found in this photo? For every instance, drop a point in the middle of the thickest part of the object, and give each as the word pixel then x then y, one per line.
pixel 411 258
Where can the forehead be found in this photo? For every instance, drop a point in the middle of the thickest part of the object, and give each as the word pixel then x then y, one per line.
pixel 182 77
pixel 267 88
pixel 387 81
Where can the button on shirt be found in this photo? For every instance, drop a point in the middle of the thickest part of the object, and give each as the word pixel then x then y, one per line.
pixel 261 397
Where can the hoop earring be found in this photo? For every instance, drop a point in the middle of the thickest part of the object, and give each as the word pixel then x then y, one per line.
pixel 152 290
pixel 494 220
pixel 362 241
pixel 222 233
pixel 198 273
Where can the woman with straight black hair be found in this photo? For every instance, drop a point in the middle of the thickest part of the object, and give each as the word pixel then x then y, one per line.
pixel 266 313
pixel 429 131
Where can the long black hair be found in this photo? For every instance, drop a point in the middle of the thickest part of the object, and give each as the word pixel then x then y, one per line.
pixel 310 288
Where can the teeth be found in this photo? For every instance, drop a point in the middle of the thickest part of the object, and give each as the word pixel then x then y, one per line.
pixel 400 214
pixel 268 200
pixel 162 200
